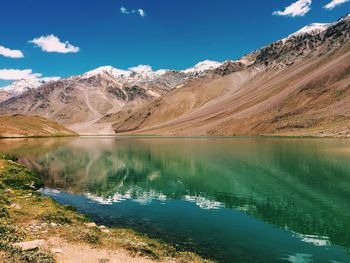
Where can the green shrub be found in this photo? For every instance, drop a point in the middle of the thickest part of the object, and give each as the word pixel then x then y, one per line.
pixel 16 176
pixel 10 234
pixel 6 156
pixel 70 208
pixel 91 238
pixel 3 212
pixel 56 217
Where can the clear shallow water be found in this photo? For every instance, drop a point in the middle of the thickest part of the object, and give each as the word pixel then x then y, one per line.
pixel 233 200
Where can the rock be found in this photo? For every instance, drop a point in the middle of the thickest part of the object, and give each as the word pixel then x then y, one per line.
pixel 56 251
pixel 103 229
pixel 16 206
pixel 53 224
pixel 91 225
pixel 30 245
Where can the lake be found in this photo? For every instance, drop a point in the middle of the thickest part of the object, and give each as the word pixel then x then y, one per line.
pixel 228 199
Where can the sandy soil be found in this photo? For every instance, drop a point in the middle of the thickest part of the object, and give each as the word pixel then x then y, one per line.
pixel 82 253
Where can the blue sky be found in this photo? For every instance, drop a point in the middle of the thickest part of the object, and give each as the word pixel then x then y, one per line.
pixel 172 34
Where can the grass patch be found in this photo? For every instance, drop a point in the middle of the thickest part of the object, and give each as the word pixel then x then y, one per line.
pixel 16 176
pixel 13 255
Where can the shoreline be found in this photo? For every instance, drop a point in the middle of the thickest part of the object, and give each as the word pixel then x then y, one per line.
pixel 35 228
pixel 150 136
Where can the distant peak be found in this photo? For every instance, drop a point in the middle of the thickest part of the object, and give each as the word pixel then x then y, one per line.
pixel 20 86
pixel 141 69
pixel 316 28
pixel 312 29
pixel 203 66
pixel 146 71
pixel 107 69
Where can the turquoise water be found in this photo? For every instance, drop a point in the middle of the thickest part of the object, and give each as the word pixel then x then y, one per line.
pixel 228 199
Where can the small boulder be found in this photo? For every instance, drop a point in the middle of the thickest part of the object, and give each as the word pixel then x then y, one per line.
pixel 53 225
pixel 16 206
pixel 56 251
pixel 30 245
pixel 91 225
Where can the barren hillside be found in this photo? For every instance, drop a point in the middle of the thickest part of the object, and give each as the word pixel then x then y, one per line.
pixel 296 86
pixel 24 126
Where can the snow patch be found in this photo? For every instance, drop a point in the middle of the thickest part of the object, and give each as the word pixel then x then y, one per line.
pixel 203 66
pixel 146 73
pixel 20 86
pixel 312 29
pixel 109 70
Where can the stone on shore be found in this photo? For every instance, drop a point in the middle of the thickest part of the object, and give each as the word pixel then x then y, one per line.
pixel 30 245
pixel 91 225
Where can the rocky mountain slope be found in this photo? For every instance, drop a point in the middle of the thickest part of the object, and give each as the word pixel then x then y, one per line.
pixel 24 126
pixel 296 86
pixel 91 102
pixel 21 86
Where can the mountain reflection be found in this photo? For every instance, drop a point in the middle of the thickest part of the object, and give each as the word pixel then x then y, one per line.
pixel 299 185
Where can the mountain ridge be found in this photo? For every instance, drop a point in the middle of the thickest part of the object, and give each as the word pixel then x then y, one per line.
pixel 210 118
pixel 107 100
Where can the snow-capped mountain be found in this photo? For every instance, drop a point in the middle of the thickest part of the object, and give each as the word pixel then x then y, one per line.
pixel 312 29
pixel 20 86
pixel 102 94
pixel 251 87
pixel 316 28
pixel 202 67
pixel 144 73
pixel 305 41
pixel 113 72
pixel 135 74
pixel 107 99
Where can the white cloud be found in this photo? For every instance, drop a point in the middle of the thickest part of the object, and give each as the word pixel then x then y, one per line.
pixel 51 43
pixel 123 10
pixel 10 53
pixel 15 74
pixel 298 8
pixel 334 3
pixel 139 11
pixel 141 68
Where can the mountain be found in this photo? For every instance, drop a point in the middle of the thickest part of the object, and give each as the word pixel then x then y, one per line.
pixel 91 102
pixel 24 126
pixel 295 86
pixel 298 85
pixel 21 86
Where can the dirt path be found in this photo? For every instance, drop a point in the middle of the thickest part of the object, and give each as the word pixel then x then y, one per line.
pixel 81 253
